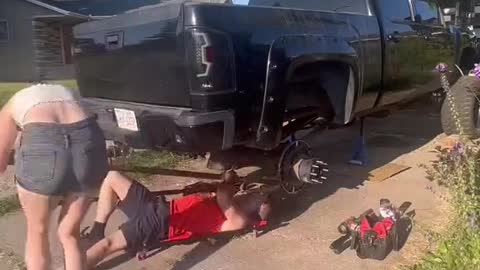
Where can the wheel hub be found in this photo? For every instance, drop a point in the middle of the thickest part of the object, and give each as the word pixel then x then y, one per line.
pixel 297 167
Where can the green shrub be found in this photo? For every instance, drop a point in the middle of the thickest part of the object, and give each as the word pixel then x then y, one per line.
pixel 460 252
pixel 458 169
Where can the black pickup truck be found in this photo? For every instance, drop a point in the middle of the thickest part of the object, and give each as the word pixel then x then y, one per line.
pixel 190 76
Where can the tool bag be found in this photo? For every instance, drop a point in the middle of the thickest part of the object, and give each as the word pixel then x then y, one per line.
pixel 375 238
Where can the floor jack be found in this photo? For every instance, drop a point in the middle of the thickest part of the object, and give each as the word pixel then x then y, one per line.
pixel 360 155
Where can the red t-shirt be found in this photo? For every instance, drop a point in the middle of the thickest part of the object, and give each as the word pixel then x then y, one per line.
pixel 194 216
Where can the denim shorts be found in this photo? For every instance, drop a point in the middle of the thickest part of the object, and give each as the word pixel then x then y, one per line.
pixel 57 159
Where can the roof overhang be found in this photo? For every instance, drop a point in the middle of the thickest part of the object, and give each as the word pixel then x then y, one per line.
pixel 60 18
pixel 61 11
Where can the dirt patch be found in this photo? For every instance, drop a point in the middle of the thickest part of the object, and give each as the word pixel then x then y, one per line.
pixel 11 261
pixel 7 183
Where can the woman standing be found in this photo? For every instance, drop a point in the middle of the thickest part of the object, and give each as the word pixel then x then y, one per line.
pixel 60 159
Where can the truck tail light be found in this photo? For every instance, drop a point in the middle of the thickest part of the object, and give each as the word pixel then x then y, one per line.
pixel 210 62
pixel 203 54
pixel 209 54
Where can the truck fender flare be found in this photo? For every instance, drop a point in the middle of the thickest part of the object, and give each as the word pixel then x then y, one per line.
pixel 342 98
pixel 285 55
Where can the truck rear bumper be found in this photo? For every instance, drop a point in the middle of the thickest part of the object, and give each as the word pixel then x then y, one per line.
pixel 175 129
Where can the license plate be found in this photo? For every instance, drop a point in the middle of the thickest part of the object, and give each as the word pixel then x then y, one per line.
pixel 126 119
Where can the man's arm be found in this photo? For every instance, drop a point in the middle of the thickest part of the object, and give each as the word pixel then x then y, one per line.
pixel 224 193
pixel 236 220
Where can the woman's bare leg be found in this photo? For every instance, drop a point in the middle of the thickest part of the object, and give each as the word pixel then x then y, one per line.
pixel 74 208
pixel 37 209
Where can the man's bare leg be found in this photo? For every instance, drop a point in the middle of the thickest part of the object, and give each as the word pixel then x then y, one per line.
pixel 105 247
pixel 115 187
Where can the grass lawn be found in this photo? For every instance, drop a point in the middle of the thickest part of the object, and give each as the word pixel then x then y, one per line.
pixel 148 160
pixel 9 204
pixel 7 89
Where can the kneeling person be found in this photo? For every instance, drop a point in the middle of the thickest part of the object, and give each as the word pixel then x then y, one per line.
pixel 152 218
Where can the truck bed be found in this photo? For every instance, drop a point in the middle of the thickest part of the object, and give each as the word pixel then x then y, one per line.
pixel 136 57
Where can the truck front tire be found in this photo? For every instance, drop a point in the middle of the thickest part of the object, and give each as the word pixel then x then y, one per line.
pixel 460 112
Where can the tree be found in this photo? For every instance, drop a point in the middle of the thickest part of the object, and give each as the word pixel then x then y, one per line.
pixel 453 3
pixel 464 4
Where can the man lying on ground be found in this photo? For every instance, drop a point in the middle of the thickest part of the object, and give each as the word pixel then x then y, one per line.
pixel 153 219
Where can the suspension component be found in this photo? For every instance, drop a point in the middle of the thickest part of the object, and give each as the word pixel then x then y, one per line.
pixel 297 167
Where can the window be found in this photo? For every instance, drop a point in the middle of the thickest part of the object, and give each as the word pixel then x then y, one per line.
pixel 427 12
pixel 3 30
pixel 344 6
pixel 240 2
pixel 395 10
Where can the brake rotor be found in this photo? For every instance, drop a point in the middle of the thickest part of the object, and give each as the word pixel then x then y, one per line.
pixel 294 152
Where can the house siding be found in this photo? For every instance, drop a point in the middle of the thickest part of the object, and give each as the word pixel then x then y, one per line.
pixel 17 54
pixel 48 51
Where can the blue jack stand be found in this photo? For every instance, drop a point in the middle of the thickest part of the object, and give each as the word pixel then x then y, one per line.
pixel 360 155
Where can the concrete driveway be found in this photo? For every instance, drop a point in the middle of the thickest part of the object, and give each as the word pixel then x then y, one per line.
pixel 309 220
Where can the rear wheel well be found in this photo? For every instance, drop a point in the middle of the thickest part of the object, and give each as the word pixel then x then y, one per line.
pixel 317 84
pixel 313 91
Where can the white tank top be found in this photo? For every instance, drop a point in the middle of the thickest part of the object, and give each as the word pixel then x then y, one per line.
pixel 24 100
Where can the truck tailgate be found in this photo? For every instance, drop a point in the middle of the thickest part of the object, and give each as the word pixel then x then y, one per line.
pixel 136 57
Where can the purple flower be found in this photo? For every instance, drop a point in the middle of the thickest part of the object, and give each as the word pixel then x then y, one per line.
pixel 442 68
pixel 458 149
pixel 476 71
